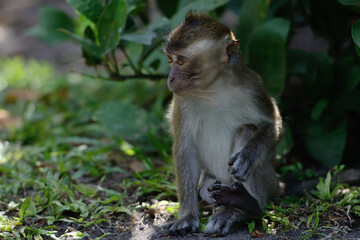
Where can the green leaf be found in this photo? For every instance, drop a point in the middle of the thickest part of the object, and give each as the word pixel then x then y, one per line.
pixel 158 29
pixel 301 63
pixel 110 23
pixel 123 119
pixel 354 78
pixel 323 187
pixel 27 208
pixel 349 2
pixel 24 206
pixel 251 226
pixel 122 209
pixel 89 46
pixel 51 19
pixel 318 109
pixel 356 209
pixel 267 55
pixel 357 50
pixel 355 33
pixel 86 190
pixel 168 7
pixel 253 13
pixel 326 144
pixel 90 59
pixel 89 8
pixel 199 6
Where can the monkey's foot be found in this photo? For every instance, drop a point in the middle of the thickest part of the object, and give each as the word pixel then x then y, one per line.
pixel 222 221
pixel 225 195
pixel 183 226
pixel 236 196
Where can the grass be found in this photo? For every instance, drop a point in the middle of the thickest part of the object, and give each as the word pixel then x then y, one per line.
pixel 329 208
pixel 71 162
pixel 61 165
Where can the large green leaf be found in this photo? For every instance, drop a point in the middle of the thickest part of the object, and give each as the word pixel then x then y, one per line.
pixel 90 59
pixel 354 78
pixel 92 9
pixel 89 46
pixel 355 32
pixel 123 119
pixel 158 29
pixel 168 7
pixel 110 23
pixel 253 13
pixel 325 144
pixel 349 2
pixel 267 55
pixel 51 19
pixel 199 5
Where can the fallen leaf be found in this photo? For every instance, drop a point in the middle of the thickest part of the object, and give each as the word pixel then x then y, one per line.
pixel 9 121
pixel 256 234
pixel 137 166
pixel 13 95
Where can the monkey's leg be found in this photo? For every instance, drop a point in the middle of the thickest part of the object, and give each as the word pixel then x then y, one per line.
pixel 235 196
pixel 187 173
pixel 203 191
pixel 223 219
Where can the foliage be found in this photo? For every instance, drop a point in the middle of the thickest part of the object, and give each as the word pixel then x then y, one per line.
pixel 58 164
pixel 314 213
pixel 307 85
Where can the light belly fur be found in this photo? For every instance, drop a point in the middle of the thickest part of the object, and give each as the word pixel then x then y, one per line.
pixel 213 147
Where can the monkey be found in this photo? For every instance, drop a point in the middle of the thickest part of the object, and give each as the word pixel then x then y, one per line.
pixel 225 128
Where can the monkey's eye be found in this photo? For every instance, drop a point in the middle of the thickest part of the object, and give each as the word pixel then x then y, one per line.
pixel 170 59
pixel 180 60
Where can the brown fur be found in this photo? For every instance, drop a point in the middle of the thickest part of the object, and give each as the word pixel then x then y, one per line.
pixel 196 27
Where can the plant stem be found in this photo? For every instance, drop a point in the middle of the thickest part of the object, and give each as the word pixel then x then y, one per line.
pixel 119 78
pixel 132 65
pixel 115 62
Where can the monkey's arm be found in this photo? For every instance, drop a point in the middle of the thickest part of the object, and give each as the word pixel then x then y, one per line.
pixel 258 145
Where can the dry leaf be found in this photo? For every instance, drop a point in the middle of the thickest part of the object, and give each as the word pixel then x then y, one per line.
pixel 137 166
pixel 13 95
pixel 9 121
pixel 256 234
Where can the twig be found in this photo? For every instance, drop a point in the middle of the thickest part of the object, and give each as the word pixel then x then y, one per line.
pixel 123 77
pixel 115 62
pixel 348 215
pixel 132 65
pixel 146 54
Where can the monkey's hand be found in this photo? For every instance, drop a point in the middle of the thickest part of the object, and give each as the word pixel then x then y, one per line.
pixel 183 226
pixel 241 165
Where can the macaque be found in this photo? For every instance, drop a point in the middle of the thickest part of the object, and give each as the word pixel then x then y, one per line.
pixel 225 128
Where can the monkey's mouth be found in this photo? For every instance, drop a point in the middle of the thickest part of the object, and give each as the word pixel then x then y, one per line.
pixel 181 92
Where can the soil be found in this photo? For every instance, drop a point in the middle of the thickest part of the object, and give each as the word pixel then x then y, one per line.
pixel 143 226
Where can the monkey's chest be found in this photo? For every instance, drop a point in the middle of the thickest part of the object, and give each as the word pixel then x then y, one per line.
pixel 213 138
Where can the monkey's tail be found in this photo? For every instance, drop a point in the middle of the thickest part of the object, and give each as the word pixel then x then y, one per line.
pixel 350 176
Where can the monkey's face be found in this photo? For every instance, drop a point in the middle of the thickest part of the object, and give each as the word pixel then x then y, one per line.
pixel 193 68
pixel 182 77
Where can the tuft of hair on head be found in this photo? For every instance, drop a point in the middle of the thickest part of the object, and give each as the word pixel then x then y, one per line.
pixel 197 26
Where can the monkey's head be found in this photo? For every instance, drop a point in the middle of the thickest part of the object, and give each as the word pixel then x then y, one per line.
pixel 198 50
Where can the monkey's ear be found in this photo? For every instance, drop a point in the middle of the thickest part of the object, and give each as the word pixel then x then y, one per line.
pixel 233 52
